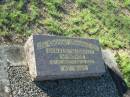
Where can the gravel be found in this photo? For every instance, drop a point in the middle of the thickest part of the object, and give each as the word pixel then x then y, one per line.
pixel 23 86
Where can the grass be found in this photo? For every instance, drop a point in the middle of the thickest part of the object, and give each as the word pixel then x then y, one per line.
pixel 127 3
pixel 123 60
pixel 88 18
pixel 104 20
pixel 91 20
pixel 14 18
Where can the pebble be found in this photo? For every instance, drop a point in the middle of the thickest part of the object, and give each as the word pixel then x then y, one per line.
pixel 23 86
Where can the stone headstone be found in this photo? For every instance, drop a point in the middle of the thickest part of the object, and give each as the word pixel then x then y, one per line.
pixel 58 57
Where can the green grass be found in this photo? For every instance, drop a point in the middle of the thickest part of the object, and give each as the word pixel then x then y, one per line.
pixel 127 3
pixel 14 18
pixel 104 20
pixel 89 18
pixel 92 21
pixel 123 60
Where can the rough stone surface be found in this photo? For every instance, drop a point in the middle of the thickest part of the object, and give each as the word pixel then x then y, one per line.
pixel 15 55
pixel 4 81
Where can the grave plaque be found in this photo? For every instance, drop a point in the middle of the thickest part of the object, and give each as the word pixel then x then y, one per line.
pixel 58 57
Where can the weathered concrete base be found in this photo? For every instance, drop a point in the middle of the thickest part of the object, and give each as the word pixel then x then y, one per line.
pixel 15 79
pixel 5 90
pixel 12 55
pixel 110 60
pixel 15 55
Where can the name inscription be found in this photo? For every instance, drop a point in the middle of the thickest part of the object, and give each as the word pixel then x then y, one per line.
pixel 69 59
pixel 67 42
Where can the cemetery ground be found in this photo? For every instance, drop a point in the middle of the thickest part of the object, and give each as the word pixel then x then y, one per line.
pixel 106 20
